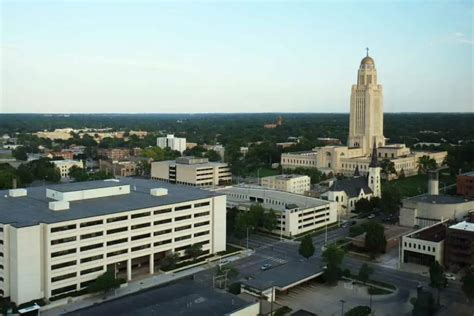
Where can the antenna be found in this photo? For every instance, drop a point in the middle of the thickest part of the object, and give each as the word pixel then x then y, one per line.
pixel 367 49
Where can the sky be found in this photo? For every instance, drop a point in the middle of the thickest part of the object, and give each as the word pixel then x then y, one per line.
pixel 246 56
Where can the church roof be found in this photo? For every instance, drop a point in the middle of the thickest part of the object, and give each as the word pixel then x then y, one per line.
pixel 351 186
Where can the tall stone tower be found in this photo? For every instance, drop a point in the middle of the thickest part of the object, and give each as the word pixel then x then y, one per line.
pixel 366 118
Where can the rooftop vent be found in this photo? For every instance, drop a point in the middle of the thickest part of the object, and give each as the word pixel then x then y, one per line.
pixel 17 192
pixel 59 205
pixel 159 191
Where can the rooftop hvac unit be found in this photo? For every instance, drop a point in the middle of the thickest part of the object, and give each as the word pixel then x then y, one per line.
pixel 159 191
pixel 17 192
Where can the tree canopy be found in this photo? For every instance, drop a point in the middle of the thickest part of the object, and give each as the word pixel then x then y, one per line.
pixel 333 257
pixel 306 246
pixel 375 241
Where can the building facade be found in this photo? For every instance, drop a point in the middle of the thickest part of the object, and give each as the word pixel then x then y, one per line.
pixel 294 160
pixel 58 239
pixel 191 171
pixel 460 245
pixel 465 184
pixel 296 214
pixel 174 143
pixel 65 165
pixel 293 183
pixel 115 154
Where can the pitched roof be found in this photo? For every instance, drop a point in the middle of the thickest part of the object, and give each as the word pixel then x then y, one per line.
pixel 351 186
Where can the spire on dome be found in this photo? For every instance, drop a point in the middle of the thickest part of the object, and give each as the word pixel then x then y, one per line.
pixel 373 161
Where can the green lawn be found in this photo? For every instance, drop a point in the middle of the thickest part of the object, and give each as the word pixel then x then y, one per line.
pixel 264 172
pixel 416 185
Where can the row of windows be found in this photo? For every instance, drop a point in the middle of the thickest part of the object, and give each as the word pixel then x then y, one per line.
pixel 420 247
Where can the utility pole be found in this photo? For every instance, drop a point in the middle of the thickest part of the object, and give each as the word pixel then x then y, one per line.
pixel 342 307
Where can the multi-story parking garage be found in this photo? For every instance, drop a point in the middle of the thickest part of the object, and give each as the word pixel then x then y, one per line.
pixel 58 239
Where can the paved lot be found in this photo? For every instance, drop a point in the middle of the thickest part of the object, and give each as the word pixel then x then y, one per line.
pixel 325 300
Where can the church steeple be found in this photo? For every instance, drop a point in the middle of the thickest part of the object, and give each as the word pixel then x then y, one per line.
pixel 373 160
pixel 374 173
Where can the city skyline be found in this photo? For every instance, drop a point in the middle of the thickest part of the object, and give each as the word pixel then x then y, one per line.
pixel 84 57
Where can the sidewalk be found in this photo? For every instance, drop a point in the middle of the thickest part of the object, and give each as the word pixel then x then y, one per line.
pixel 131 287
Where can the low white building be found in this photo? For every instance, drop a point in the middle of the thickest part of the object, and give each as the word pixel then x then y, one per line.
pixel 65 165
pixel 306 159
pixel 191 171
pixel 56 240
pixel 174 143
pixel 293 183
pixel 424 246
pixel 296 214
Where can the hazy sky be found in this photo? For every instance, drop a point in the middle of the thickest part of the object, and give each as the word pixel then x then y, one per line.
pixel 247 56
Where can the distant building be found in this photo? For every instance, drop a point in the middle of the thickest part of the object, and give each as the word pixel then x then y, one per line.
pixel 296 214
pixel 293 183
pixel 347 192
pixel 425 246
pixel 460 244
pixel 303 159
pixel 244 151
pixel 279 122
pixel 191 171
pixel 190 145
pixel 139 134
pixel 329 141
pixel 174 143
pixel 62 134
pixel 118 168
pixel 115 154
pixel 284 145
pixel 465 184
pixel 218 149
pixel 61 154
pixel 65 165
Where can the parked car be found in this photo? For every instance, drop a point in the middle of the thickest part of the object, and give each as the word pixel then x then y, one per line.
pixel 371 216
pixel 450 276
pixel 265 267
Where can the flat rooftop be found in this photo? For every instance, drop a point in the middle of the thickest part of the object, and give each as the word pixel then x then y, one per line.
pixel 33 208
pixel 434 233
pixel 186 298
pixel 286 275
pixel 438 199
pixel 251 194
pixel 466 226
pixel 286 176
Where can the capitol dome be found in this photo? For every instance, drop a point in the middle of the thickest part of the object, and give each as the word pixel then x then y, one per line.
pixel 367 61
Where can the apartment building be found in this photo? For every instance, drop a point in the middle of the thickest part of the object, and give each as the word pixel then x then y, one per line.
pixel 459 251
pixel 55 240
pixel 293 183
pixel 174 143
pixel 65 165
pixel 191 171
pixel 296 214
pixel 115 154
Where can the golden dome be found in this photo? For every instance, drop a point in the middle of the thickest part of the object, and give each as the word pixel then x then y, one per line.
pixel 367 61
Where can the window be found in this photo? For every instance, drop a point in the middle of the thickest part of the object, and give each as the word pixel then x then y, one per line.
pixel 202 204
pixel 182 238
pixel 117 241
pixel 63 265
pixel 63 228
pixel 141 247
pixel 201 233
pixel 141 236
pixel 92 223
pixel 63 252
pixel 182 208
pixel 116 253
pixel 90 247
pixel 63 290
pixel 117 219
pixel 182 218
pixel 117 230
pixel 163 211
pixel 138 226
pixel 93 258
pixel 162 232
pixel 201 224
pixel 177 229
pixel 92 235
pixel 164 221
pixel 64 277
pixel 92 270
pixel 63 240
pixel 162 242
pixel 141 215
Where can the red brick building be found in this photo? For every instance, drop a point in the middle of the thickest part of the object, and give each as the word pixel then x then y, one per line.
pixel 465 184
pixel 115 154
pixel 66 155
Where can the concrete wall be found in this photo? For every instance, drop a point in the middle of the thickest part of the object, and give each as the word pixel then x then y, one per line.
pixel 219 223
pixel 25 264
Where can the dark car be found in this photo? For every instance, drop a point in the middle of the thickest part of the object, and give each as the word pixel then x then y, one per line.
pixel 265 267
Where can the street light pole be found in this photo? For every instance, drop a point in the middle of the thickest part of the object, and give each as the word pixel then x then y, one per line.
pixel 342 307
pixel 247 238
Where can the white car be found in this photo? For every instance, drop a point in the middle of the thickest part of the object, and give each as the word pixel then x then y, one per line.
pixel 450 276
pixel 371 216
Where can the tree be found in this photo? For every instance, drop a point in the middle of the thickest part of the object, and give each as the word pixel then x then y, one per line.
pixel 426 163
pixel 358 311
pixel 212 155
pixel 78 174
pixel 306 246
pixel 194 251
pixel 363 206
pixel 387 168
pixel 104 283
pixel 364 272
pixel 333 257
pixel 20 153
pixel 243 221
pixel 269 220
pixel 169 261
pixel 437 279
pixel 391 200
pixel 375 241
pixel 468 285
pixel 424 304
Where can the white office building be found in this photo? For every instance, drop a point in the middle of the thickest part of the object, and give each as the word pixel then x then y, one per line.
pixel 65 165
pixel 55 240
pixel 191 171
pixel 296 214
pixel 174 143
pixel 293 183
